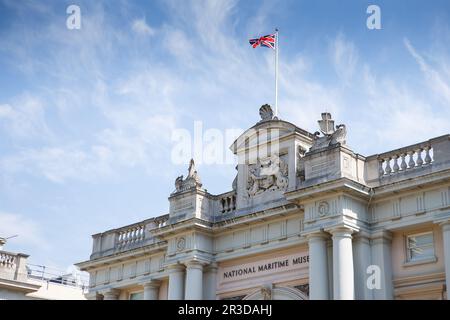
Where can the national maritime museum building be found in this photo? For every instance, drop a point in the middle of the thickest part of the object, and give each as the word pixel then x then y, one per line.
pixel 307 218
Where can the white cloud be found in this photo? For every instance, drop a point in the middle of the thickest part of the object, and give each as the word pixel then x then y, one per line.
pixel 141 27
pixel 24 118
pixel 435 80
pixel 344 57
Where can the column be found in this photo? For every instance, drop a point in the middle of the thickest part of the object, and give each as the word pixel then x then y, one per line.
pixel 446 240
pixel 210 282
pixel 318 273
pixel 151 290
pixel 194 281
pixel 112 294
pixel 176 282
pixel 343 276
pixel 382 258
pixel 362 260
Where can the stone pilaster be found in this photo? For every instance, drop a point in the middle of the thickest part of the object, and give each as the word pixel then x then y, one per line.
pixel 382 257
pixel 318 273
pixel 362 260
pixel 446 242
pixel 210 282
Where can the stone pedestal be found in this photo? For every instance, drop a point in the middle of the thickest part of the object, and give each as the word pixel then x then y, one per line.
pixel 318 273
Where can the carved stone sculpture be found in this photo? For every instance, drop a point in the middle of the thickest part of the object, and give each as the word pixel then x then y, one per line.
pixel 331 136
pixel 234 184
pixel 266 292
pixel 192 180
pixel 267 174
pixel 301 151
pixel 266 112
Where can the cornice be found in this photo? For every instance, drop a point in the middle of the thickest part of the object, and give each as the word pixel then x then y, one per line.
pixel 330 187
pixel 123 256
pixel 417 182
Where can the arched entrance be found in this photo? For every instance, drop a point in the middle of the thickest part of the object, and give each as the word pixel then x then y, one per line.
pixel 277 293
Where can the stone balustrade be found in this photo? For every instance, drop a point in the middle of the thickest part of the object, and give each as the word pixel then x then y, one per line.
pixel 127 237
pixel 410 158
pixel 130 235
pixel 13 266
pixel 421 158
pixel 227 202
pixel 7 260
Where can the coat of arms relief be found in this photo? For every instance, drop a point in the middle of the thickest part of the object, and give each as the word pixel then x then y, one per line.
pixel 267 174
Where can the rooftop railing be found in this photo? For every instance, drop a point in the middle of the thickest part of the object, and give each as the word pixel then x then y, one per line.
pixel 128 237
pixel 423 157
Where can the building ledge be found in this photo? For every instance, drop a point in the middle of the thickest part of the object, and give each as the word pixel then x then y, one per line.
pixel 20 286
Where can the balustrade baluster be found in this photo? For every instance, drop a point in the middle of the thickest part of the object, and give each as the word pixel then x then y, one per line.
pixel 388 169
pixel 395 168
pixel 427 155
pixel 403 164
pixel 419 160
pixel 411 163
pixel 381 169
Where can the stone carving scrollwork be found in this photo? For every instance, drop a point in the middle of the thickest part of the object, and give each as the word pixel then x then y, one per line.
pixel 267 174
pixel 266 292
pixel 331 135
pixel 323 208
pixel 181 244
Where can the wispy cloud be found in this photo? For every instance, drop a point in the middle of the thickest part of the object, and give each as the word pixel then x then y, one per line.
pixel 434 78
pixel 345 57
pixel 141 27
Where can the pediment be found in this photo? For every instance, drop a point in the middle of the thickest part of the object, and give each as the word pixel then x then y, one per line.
pixel 267 131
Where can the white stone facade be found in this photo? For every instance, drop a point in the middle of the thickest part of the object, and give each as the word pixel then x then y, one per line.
pixel 307 218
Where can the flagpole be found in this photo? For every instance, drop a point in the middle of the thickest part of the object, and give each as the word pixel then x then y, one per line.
pixel 276 72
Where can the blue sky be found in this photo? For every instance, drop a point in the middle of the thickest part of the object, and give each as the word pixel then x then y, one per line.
pixel 87 116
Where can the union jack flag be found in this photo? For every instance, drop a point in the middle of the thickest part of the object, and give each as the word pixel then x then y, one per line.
pixel 266 41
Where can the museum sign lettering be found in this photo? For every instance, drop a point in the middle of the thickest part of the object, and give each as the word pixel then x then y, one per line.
pixel 264 267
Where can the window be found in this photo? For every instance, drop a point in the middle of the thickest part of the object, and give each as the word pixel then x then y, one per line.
pixel 137 295
pixel 420 246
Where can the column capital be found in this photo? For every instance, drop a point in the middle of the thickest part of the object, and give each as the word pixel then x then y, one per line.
pixel 110 294
pixel 177 267
pixel 341 231
pixel 194 264
pixel 212 267
pixel 445 225
pixel 317 235
pixel 383 236
pixel 151 283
